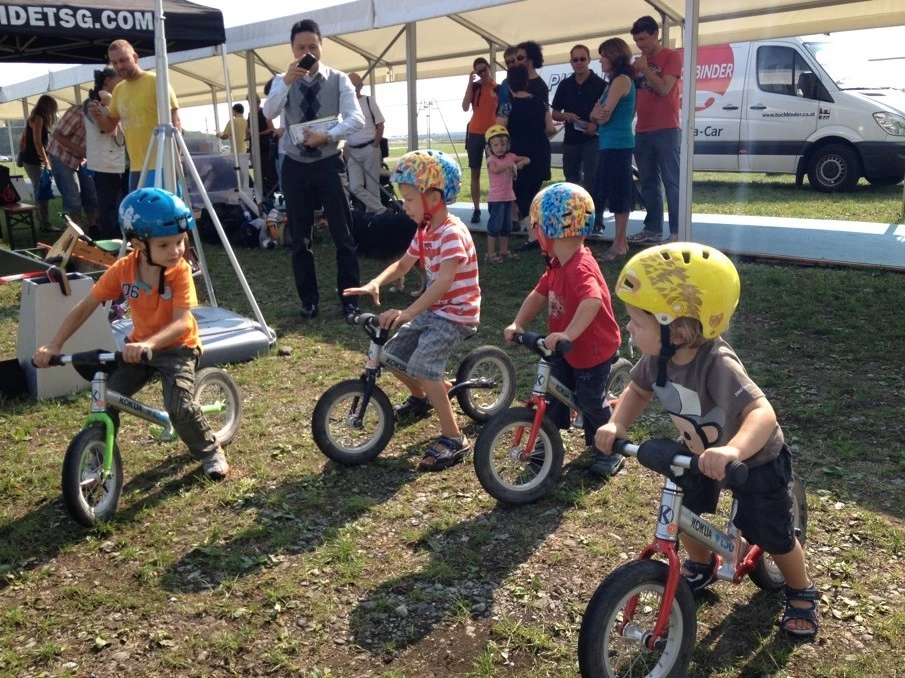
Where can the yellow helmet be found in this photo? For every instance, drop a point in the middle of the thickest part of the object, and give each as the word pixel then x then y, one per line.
pixel 495 131
pixel 682 280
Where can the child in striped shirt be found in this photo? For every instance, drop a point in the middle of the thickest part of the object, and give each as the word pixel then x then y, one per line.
pixel 449 310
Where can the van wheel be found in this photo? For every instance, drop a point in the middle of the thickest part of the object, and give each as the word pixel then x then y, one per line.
pixel 886 180
pixel 834 168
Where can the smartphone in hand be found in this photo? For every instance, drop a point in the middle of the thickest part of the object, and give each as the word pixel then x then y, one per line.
pixel 307 61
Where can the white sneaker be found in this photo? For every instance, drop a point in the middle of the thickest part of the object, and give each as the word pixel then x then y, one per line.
pixel 215 466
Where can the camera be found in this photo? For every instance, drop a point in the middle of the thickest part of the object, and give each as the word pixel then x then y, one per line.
pixel 307 61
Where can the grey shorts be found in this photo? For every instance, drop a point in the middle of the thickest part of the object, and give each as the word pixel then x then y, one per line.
pixel 425 344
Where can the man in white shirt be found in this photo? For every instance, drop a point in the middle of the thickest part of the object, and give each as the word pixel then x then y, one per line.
pixel 362 153
pixel 311 169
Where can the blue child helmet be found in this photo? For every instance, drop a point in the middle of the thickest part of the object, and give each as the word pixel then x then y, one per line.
pixel 429 169
pixel 563 210
pixel 154 213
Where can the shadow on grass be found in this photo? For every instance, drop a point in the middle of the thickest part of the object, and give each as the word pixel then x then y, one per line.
pixel 468 562
pixel 38 537
pixel 295 517
pixel 750 630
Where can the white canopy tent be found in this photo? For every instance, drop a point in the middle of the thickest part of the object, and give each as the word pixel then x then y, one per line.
pixel 450 33
pixel 397 40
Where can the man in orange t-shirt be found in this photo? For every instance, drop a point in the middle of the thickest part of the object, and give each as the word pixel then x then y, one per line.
pixel 481 97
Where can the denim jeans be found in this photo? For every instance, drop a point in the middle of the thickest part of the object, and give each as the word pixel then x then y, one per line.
pixel 589 385
pixel 499 221
pixel 76 187
pixel 657 155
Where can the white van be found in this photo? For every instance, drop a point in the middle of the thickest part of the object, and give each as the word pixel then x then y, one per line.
pixel 796 107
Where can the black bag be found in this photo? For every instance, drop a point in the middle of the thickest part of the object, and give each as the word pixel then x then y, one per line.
pixel 8 192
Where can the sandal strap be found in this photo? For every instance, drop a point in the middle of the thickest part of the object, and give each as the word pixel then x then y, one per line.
pixel 809 594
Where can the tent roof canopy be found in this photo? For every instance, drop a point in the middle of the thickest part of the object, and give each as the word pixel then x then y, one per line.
pixel 451 33
pixel 51 31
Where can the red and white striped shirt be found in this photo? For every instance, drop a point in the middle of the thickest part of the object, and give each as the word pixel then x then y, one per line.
pixel 451 240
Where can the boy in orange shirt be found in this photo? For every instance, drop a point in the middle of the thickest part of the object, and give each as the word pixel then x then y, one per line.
pixel 157 282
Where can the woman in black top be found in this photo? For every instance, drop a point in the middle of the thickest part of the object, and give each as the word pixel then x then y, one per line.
pixel 34 154
pixel 530 126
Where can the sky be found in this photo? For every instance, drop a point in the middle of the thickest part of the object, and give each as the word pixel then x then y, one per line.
pixel 440 109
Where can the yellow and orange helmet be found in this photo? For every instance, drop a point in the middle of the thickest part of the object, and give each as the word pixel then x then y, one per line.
pixel 682 280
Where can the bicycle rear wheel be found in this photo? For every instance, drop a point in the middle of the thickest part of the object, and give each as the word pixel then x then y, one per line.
pixel 87 496
pixel 219 398
pixel 494 366
pixel 612 643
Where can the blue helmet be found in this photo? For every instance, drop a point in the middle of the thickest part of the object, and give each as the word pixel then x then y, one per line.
pixel 154 213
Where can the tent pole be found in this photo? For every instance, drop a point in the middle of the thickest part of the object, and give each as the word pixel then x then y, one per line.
pixel 78 94
pixel 686 156
pixel 372 81
pixel 411 76
pixel 216 112
pixel 258 189
pixel 167 132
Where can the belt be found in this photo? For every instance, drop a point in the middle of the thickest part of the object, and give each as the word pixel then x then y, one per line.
pixel 367 143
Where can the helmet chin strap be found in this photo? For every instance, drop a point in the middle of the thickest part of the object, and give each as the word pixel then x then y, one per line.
pixel 667 351
pixel 147 253
pixel 428 212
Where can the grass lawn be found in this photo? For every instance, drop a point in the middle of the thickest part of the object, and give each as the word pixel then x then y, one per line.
pixel 295 565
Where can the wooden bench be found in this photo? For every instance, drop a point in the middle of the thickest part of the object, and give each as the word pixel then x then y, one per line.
pixel 19 215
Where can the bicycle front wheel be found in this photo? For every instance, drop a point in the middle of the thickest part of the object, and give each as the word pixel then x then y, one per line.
pixel 620 378
pixel 495 368
pixel 766 574
pixel 612 637
pixel 87 495
pixel 218 396
pixel 498 461
pixel 344 433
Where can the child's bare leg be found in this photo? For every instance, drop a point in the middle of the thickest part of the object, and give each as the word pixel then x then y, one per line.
pixel 436 391
pixel 411 384
pixel 696 552
pixel 504 243
pixel 491 246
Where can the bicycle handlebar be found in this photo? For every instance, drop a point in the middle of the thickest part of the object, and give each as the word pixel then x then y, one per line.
pixel 363 319
pixel 736 471
pixel 535 342
pixel 103 358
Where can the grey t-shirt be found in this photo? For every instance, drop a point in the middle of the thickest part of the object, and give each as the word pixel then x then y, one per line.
pixel 705 398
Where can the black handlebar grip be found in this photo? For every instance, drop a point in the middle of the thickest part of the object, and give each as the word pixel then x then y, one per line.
pixel 563 346
pixel 55 360
pixel 737 473
pixel 619 446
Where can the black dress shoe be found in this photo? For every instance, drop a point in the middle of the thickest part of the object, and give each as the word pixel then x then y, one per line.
pixel 350 309
pixel 309 311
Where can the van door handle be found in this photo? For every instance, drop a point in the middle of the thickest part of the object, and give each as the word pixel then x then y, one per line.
pixel 730 107
pixel 758 107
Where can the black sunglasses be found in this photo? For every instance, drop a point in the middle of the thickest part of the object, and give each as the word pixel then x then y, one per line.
pixel 578 60
pixel 482 71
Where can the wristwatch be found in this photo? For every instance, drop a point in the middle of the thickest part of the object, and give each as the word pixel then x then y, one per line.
pixel 330 139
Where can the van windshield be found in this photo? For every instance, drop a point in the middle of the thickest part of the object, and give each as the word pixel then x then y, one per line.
pixel 846 68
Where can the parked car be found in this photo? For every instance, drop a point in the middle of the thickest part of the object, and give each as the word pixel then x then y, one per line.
pixel 792 107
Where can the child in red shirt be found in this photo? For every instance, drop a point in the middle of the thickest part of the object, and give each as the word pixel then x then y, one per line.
pixel 578 310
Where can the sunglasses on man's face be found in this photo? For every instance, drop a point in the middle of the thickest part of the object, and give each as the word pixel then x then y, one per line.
pixel 482 71
pixel 578 60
